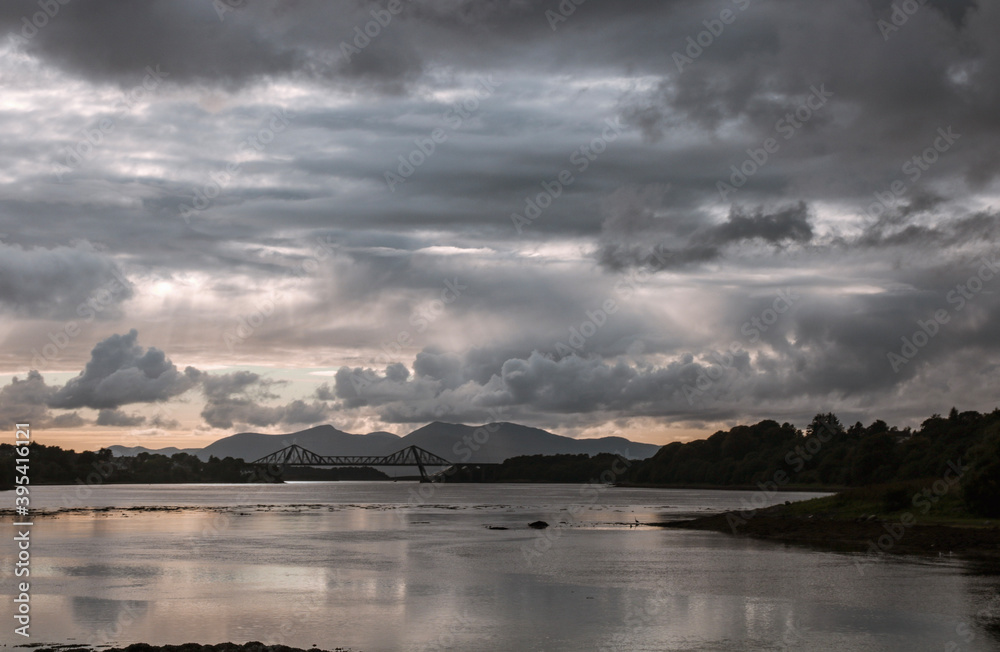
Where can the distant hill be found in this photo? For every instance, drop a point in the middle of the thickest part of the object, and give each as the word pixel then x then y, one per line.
pixel 456 442
pixel 322 440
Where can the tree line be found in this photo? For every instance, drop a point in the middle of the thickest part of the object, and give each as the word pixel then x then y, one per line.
pixel 54 465
pixel 826 454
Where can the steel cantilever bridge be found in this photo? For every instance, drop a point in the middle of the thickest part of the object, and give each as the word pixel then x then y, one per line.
pixel 295 455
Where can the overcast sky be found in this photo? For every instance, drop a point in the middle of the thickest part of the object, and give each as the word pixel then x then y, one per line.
pixel 652 219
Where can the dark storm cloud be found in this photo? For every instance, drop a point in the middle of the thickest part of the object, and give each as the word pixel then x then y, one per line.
pixel 827 349
pixel 894 231
pixel 893 91
pixel 863 104
pixel 26 401
pixel 121 372
pixel 536 384
pixel 114 40
pixel 954 10
pixel 790 224
pixel 786 225
pixel 57 283
pixel 215 42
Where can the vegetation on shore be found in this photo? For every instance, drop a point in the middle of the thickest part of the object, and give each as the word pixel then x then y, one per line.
pixel 901 517
pixel 54 465
pixel 253 646
pixel 963 446
pixel 566 468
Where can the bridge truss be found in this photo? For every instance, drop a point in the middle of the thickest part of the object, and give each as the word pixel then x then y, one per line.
pixel 295 455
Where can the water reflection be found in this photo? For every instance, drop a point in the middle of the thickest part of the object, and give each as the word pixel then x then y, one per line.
pixel 437 578
pixel 104 614
pixel 109 570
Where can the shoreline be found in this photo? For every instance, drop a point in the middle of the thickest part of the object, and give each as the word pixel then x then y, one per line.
pixel 252 646
pixel 871 535
pixel 818 489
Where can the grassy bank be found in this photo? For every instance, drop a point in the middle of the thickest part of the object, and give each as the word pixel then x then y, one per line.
pixel 801 488
pixel 927 517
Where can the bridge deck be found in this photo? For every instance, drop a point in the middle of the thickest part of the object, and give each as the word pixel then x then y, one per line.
pixel 295 455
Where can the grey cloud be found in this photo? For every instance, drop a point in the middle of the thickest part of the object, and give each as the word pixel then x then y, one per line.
pixel 358 386
pixel 790 224
pixel 620 256
pixel 60 283
pixel 827 350
pixel 325 393
pixel 539 383
pixel 162 422
pixel 26 401
pixel 649 201
pixel 119 419
pixel 242 412
pixel 66 420
pixel 236 399
pixel 954 10
pixel 787 225
pixel 222 386
pixel 895 231
pixel 110 39
pixel 121 372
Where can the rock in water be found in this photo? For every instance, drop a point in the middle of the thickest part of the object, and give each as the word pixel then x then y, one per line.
pixel 538 525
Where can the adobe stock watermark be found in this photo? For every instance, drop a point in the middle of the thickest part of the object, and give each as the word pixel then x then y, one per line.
pixel 247 325
pixel 95 135
pixel 103 467
pixel 923 500
pixel 959 298
pixel 714 27
pixel 223 7
pixel 786 127
pixel 901 14
pixel 464 449
pixel 206 194
pixel 649 614
pixel 454 118
pixel 564 10
pixel 914 168
pixel 766 491
pixel 365 34
pixel 447 639
pixel 421 319
pixel 988 615
pixel 580 160
pixel 543 540
pixel 38 20
pixel 100 300
pixel 752 329
pixel 625 288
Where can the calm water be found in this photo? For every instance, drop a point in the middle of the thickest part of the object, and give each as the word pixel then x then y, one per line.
pixel 370 567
